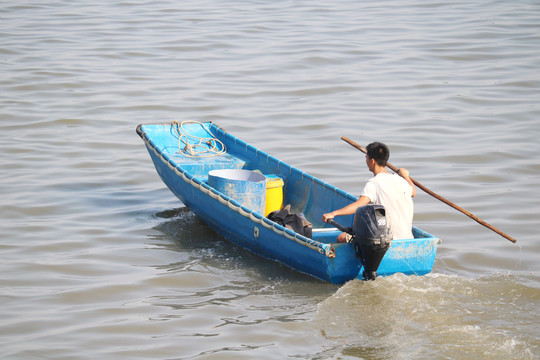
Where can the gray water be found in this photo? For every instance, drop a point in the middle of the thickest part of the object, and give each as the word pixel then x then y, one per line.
pixel 100 260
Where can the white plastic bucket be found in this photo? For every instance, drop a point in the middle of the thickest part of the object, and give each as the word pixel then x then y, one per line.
pixel 245 186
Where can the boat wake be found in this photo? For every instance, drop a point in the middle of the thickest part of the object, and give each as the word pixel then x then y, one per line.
pixel 436 316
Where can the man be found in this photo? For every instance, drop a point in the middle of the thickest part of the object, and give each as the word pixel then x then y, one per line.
pixel 393 191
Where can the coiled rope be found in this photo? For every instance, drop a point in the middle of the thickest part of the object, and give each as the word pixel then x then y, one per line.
pixel 197 146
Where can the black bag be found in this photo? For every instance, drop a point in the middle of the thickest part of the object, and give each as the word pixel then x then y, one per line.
pixel 294 222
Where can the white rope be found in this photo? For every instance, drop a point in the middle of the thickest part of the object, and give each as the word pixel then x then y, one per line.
pixel 197 146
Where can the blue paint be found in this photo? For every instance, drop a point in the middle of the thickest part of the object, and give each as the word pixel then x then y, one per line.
pixel 186 178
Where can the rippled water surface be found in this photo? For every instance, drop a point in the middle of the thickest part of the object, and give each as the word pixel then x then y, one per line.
pixel 100 260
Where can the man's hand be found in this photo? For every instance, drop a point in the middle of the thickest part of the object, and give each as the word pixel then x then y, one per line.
pixel 404 173
pixel 327 217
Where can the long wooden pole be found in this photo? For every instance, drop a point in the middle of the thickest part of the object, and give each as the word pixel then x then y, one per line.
pixel 437 196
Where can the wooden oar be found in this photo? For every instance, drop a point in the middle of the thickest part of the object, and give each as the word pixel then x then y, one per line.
pixel 438 197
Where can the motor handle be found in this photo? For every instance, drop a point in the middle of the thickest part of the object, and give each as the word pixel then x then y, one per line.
pixel 348 230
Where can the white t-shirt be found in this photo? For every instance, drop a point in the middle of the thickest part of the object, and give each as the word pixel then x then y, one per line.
pixel 395 194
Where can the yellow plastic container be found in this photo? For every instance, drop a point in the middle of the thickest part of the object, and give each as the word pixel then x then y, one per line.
pixel 274 194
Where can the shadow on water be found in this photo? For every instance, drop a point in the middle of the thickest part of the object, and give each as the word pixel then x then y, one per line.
pixel 185 233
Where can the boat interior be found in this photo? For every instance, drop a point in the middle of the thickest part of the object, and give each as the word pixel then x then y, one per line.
pixel 306 194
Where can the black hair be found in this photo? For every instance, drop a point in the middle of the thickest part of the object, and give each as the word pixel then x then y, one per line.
pixel 378 152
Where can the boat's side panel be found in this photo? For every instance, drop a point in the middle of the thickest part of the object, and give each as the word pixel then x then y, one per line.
pixel 345 266
pixel 411 257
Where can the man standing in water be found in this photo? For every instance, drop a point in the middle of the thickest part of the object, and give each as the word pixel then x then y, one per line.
pixel 393 191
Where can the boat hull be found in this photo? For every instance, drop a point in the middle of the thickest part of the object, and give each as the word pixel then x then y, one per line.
pixel 319 257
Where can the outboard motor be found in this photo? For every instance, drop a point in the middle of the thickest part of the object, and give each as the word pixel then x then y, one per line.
pixel 371 236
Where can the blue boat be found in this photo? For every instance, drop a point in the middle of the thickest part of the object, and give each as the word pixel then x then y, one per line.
pixel 186 157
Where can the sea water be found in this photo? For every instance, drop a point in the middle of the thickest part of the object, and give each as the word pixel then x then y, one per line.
pixel 100 260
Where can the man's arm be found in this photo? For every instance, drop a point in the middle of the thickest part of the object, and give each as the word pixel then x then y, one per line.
pixel 347 210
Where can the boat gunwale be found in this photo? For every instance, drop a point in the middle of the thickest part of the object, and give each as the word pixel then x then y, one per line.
pixel 323 248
